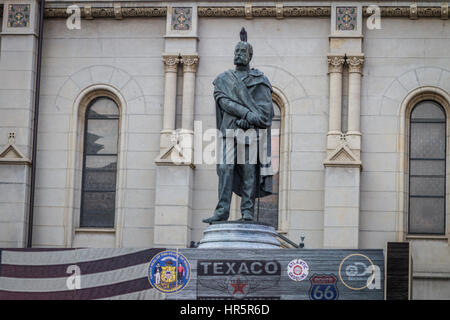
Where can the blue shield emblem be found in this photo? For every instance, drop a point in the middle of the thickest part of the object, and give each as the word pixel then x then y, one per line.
pixel 323 287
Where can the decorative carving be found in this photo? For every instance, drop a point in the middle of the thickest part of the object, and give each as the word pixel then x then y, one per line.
pixel 12 138
pixel 346 18
pixel 288 11
pixel 144 12
pixel 389 12
pixel 182 19
pixel 335 64
pixel 87 12
pixel 221 12
pixel 11 154
pixel 306 11
pixel 248 11
pixel 444 11
pixel 18 16
pixel 279 10
pixel 105 12
pixel 413 11
pixel 355 64
pixel 171 63
pixel 118 11
pixel 343 156
pixel 264 12
pixel 190 63
pixel 55 13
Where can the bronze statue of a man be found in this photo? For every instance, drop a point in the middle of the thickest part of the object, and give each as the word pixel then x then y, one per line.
pixel 243 103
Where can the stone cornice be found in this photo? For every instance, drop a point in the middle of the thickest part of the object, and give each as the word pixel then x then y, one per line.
pixel 116 12
pixel 413 11
pixel 279 11
pixel 249 11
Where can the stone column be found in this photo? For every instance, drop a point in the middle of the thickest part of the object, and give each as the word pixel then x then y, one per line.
pixel 335 68
pixel 174 166
pixel 170 95
pixel 190 63
pixel 355 64
pixel 17 80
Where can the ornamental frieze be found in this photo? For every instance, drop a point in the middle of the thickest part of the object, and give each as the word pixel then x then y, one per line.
pixel 278 11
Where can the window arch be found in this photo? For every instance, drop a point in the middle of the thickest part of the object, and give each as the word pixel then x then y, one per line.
pixel 427 169
pixel 99 172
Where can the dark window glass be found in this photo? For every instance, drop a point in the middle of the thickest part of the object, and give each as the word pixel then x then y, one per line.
pixel 268 206
pixel 98 195
pixel 427 169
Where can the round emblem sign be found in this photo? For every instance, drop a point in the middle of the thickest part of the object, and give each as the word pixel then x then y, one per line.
pixel 169 272
pixel 297 270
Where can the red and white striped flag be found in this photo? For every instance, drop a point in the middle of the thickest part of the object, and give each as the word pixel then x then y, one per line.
pixel 36 274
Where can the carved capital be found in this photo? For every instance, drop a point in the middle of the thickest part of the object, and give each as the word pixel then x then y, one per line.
pixel 355 64
pixel 171 63
pixel 190 63
pixel 335 64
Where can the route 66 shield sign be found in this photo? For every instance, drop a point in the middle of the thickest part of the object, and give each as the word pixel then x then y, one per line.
pixel 323 287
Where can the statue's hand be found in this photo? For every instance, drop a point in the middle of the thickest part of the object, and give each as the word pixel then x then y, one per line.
pixel 252 118
pixel 243 124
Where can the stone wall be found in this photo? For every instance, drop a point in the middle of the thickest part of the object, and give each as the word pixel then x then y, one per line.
pixel 125 55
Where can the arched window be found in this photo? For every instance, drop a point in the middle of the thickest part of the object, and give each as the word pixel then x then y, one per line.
pixel 268 206
pixel 98 191
pixel 427 162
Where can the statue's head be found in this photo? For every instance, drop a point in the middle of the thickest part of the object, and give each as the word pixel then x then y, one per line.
pixel 243 52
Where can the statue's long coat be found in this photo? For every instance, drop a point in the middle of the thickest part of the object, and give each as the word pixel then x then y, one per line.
pixel 254 92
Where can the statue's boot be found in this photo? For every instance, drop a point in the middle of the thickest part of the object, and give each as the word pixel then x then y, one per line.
pixel 247 216
pixel 212 219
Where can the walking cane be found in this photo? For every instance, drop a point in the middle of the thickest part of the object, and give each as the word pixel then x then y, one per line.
pixel 258 180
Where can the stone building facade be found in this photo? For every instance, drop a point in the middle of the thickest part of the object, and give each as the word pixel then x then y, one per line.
pixel 362 91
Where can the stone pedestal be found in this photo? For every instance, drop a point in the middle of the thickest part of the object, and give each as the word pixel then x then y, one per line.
pixel 239 235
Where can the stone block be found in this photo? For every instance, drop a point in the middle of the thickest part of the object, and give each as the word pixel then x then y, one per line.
pixel 139 217
pixel 340 237
pixel 306 200
pixel 306 220
pixel 172 215
pixel 172 237
pixel 347 197
pixel 48 235
pixel 92 239
pixel 139 198
pixel 375 239
pixel 378 221
pixel 137 237
pixel 308 161
pixel 378 201
pixel 342 177
pixel 141 179
pixel 49 216
pixel 14 233
pixel 307 180
pixel 143 142
pixel 341 217
pixel 378 181
pixel 172 195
